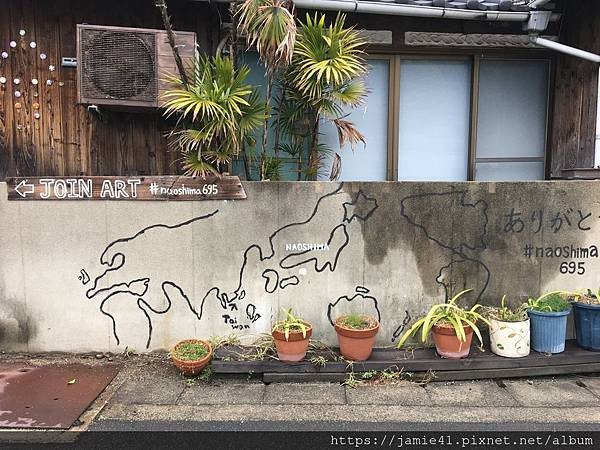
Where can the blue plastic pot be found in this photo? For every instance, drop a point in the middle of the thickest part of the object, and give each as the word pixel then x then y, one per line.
pixel 548 331
pixel 587 326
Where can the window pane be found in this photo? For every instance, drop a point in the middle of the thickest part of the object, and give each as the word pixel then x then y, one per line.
pixel 512 108
pixel 434 120
pixel 257 78
pixel 509 171
pixel 371 119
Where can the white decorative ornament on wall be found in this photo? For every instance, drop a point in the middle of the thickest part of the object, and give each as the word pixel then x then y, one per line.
pixel 12 44
pixel 51 68
pixel 22 32
pixel 34 81
pixel 43 56
pixel 16 81
pixel 4 55
pixel 32 44
pixel 49 82
pixel 17 94
pixel 2 80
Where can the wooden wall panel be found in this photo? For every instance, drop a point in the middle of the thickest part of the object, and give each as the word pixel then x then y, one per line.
pixel 575 97
pixel 67 139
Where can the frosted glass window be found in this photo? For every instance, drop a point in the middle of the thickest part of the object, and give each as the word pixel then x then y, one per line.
pixel 513 97
pixel 509 171
pixel 434 120
pixel 366 163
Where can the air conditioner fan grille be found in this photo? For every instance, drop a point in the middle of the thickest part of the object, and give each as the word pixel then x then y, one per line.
pixel 118 65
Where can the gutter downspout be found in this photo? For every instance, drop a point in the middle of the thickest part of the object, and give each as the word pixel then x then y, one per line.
pixel 354 6
pixel 578 54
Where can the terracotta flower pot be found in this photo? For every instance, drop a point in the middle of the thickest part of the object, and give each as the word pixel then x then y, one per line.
pixel 356 344
pixel 295 347
pixel 191 368
pixel 447 343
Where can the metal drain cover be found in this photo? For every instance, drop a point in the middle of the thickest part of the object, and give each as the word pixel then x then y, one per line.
pixel 51 396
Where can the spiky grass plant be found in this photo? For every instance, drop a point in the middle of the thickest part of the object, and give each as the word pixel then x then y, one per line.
pixel 448 314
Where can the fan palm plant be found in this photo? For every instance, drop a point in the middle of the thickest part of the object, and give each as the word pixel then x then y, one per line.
pixel 325 76
pixel 270 26
pixel 217 112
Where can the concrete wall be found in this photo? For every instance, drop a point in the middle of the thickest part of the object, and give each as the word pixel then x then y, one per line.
pixel 102 275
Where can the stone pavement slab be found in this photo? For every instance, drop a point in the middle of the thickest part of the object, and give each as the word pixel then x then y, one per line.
pixel 547 392
pixel 223 394
pixel 305 394
pixel 402 394
pixel 151 389
pixel 468 393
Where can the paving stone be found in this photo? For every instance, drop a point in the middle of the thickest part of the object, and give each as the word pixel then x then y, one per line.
pixel 150 390
pixel 468 393
pixel 398 394
pixel 305 394
pixel 563 393
pixel 223 394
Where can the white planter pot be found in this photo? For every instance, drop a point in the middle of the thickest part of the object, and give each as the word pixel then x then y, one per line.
pixel 509 339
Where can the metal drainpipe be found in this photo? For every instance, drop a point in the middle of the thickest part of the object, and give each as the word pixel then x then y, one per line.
pixel 597 153
pixel 414 11
pixel 584 55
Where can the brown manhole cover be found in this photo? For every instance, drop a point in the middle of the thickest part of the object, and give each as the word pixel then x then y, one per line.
pixel 49 396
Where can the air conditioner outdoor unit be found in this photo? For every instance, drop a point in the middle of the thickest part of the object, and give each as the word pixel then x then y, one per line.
pixel 126 67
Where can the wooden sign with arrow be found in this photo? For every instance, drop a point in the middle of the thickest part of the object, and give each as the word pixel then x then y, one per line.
pixel 126 188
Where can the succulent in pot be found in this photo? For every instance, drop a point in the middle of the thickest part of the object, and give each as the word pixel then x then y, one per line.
pixel 548 314
pixel 191 356
pixel 451 326
pixel 509 330
pixel 356 335
pixel 586 308
pixel 292 336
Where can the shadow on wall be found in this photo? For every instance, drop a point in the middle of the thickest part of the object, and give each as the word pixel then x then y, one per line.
pixel 15 327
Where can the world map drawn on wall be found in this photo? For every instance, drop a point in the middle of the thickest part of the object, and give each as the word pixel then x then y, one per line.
pixel 125 274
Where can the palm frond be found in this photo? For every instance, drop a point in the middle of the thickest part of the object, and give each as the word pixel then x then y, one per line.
pixel 216 111
pixel 269 25
pixel 347 133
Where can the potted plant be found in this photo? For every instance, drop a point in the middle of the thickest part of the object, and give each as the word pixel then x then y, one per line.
pixel 509 330
pixel 191 356
pixel 586 308
pixel 291 337
pixel 356 335
pixel 451 326
pixel 548 315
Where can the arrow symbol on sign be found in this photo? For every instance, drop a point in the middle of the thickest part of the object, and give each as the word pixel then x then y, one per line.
pixel 28 188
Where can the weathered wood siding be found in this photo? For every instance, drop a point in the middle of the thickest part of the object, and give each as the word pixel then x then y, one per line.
pixel 576 90
pixel 67 139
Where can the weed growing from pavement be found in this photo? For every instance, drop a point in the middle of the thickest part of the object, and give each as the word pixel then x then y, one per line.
pixel 390 375
pixel 263 348
pixel 205 376
pixel 318 361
